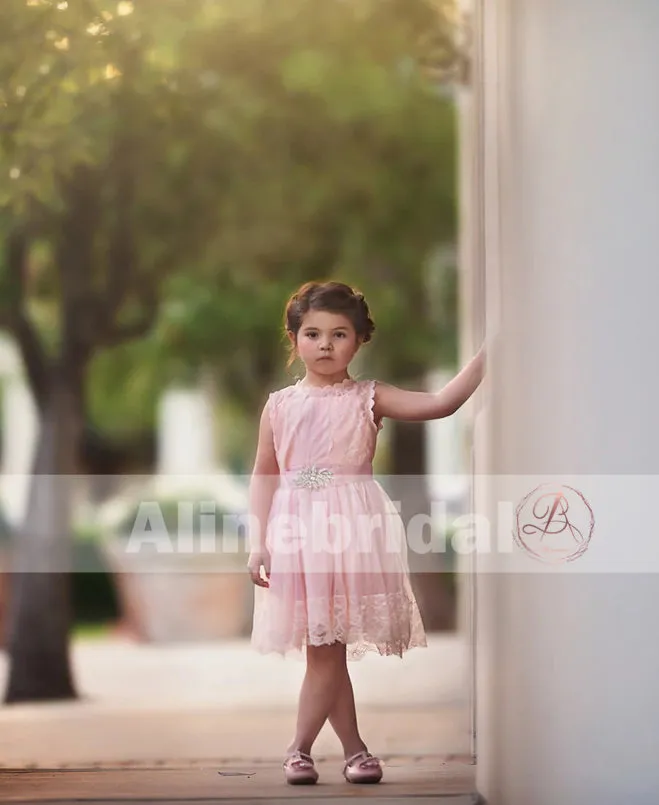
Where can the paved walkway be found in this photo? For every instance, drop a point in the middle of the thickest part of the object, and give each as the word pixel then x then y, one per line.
pixel 257 782
pixel 87 737
pixel 231 674
pixel 404 778
pixel 184 723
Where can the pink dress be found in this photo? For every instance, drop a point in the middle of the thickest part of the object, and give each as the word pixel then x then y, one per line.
pixel 337 543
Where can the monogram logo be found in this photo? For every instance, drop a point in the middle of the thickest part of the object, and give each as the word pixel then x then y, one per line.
pixel 554 523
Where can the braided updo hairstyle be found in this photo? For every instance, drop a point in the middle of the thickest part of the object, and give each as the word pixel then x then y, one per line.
pixel 333 297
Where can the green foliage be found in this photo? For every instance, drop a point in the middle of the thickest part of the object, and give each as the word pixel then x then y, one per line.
pixel 124 386
pixel 5 530
pixel 93 589
pixel 346 170
pixel 181 165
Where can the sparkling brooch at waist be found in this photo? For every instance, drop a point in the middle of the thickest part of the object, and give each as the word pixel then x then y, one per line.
pixel 313 477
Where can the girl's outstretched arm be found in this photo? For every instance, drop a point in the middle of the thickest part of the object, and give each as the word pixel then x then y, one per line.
pixel 262 487
pixel 420 406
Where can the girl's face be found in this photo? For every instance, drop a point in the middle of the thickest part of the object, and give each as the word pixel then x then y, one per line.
pixel 326 342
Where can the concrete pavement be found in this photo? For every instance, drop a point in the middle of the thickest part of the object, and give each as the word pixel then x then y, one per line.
pixel 230 674
pixel 58 736
pixel 404 780
pixel 158 722
pixel 146 703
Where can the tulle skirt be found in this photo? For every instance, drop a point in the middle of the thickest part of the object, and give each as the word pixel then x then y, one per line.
pixel 339 573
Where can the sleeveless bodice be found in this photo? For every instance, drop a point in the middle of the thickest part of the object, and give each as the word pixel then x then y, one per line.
pixel 324 425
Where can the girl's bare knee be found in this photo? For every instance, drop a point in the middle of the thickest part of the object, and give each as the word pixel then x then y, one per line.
pixel 326 658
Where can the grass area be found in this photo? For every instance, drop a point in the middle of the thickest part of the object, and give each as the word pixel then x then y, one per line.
pixel 91 631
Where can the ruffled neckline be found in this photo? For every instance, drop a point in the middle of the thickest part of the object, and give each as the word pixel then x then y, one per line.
pixel 331 388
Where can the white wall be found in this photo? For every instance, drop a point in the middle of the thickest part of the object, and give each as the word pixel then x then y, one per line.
pixel 568 662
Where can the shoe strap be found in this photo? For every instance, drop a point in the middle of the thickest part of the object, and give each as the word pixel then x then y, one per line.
pixel 367 759
pixel 299 758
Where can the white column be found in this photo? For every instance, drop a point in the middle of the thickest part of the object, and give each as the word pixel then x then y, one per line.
pixel 568 663
pixel 186 437
pixel 20 424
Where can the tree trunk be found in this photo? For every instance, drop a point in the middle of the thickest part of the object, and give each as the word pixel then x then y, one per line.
pixel 432 585
pixel 40 611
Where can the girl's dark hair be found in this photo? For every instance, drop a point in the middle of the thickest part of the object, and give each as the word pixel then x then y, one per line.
pixel 333 297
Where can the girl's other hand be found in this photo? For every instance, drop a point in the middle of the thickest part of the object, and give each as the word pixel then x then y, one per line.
pixel 259 559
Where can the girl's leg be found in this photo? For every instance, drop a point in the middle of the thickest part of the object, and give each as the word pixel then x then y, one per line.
pixel 343 715
pixel 319 689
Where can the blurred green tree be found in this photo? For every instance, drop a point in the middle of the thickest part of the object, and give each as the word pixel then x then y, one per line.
pixel 169 170
pixel 100 204
pixel 347 169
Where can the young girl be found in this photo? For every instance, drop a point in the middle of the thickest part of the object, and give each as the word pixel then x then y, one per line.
pixel 330 565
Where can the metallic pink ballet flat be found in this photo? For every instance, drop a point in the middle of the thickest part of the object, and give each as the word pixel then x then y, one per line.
pixel 363 768
pixel 299 769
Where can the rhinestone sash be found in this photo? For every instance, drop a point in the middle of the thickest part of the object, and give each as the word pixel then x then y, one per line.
pixel 318 476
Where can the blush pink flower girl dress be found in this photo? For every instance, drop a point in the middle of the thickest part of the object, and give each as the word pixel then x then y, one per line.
pixel 337 544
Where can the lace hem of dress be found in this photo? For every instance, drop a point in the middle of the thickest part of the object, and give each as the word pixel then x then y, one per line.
pixel 389 624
